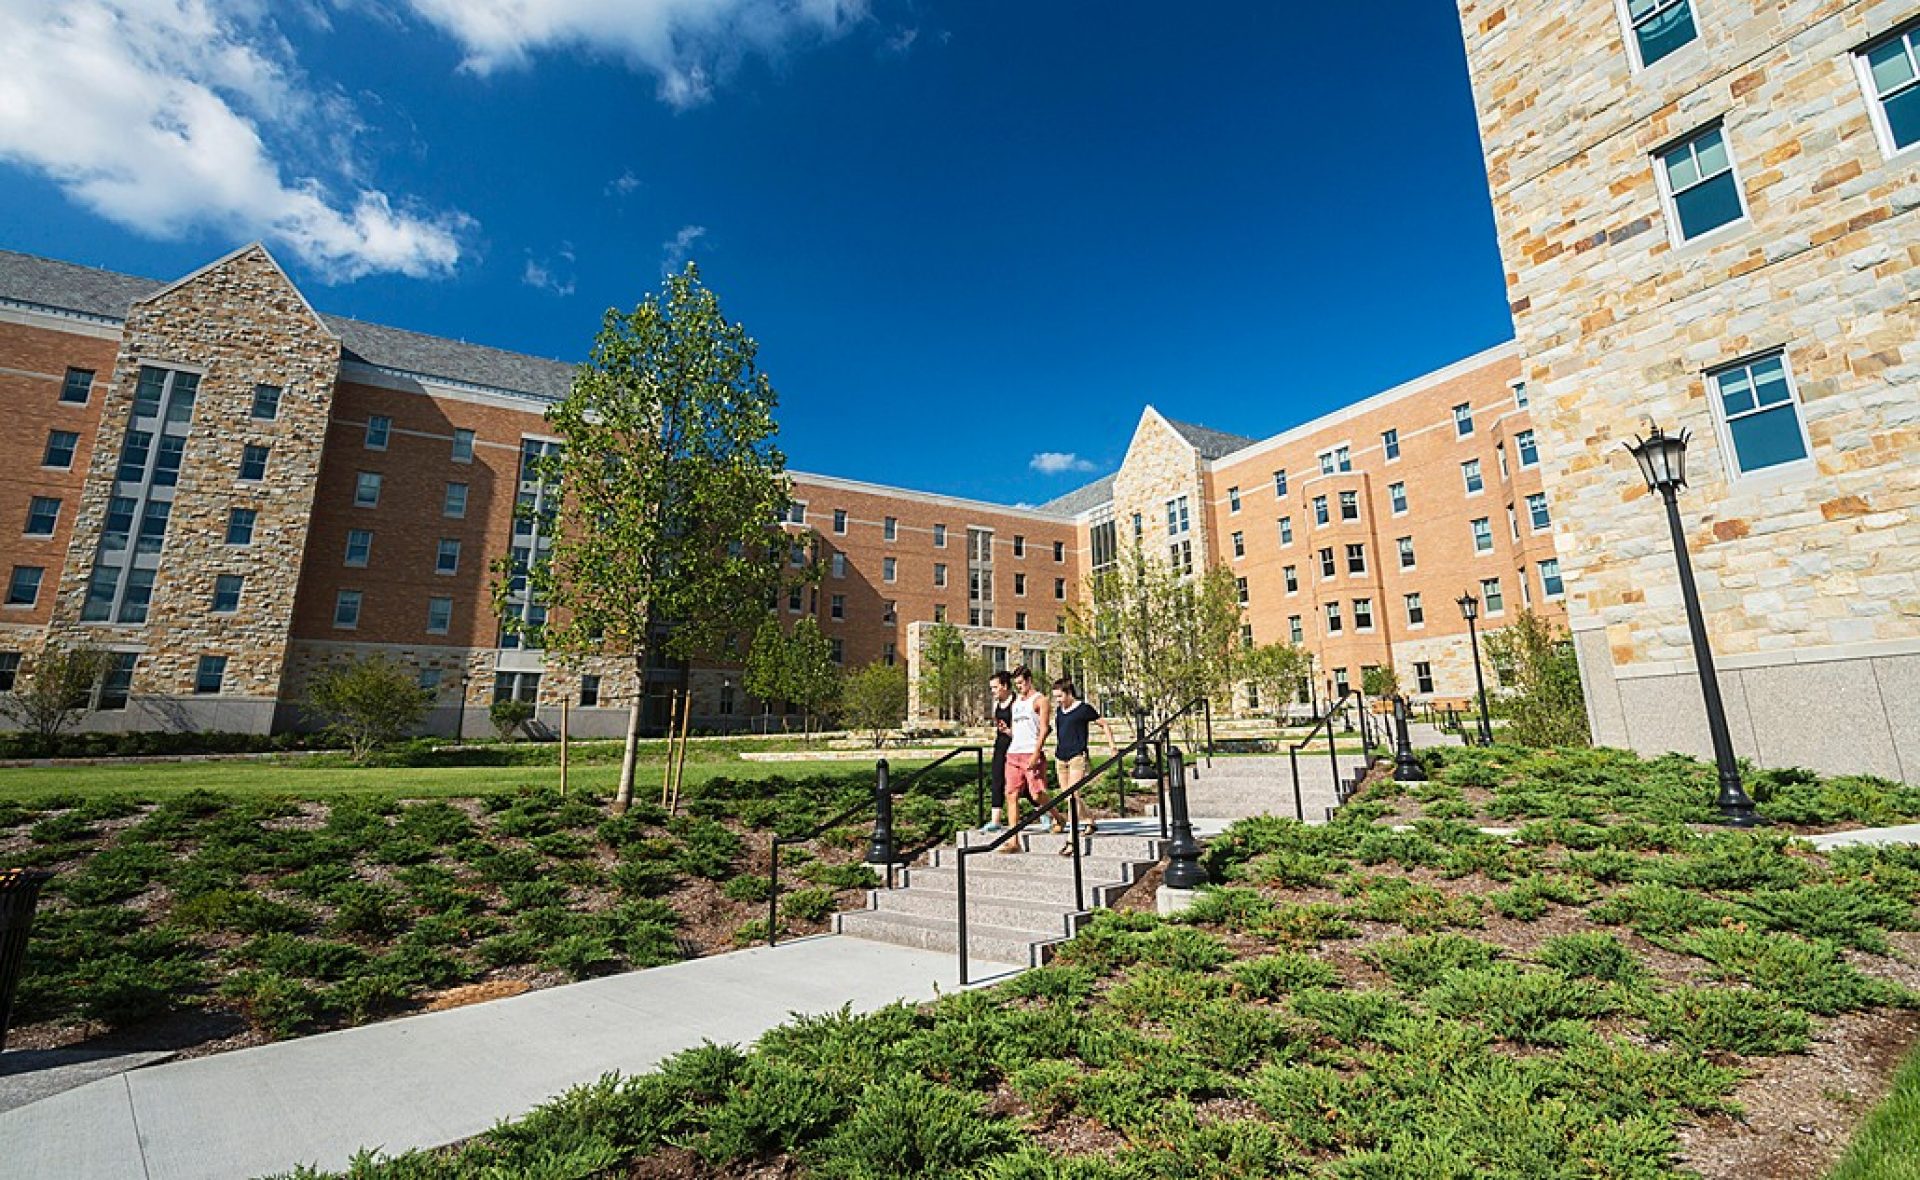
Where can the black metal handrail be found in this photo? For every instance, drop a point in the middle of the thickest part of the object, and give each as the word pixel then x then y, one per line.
pixel 882 805
pixel 1141 743
pixel 1333 755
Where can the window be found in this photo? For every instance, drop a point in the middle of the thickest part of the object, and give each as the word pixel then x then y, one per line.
pixel 1397 496
pixel 1020 620
pixel 517 686
pixel 1181 556
pixel 838 564
pixel 23 588
pixel 889 568
pixel 1659 27
pixel 1019 545
pixel 77 387
pixel 1280 483
pixel 1462 420
pixel 939 573
pixel 890 611
pixel 1513 523
pixel 1327 569
pixel 1294 632
pixel 1349 505
pixel 1363 614
pixel 253 463
pixel 797 512
pixel 138 594
pixel 1239 545
pixel 226 593
pixel 1286 530
pixel 447 559
pixel 890 528
pixel 1139 528
pixel 1240 584
pixel 1406 552
pixel 346 609
pixel 837 607
pixel 463 446
pixel 266 402
pixel 1528 449
pixel 166 464
pixel 1333 618
pixel 366 489
pixel 793 599
pixel 1390 443
pixel 1179 520
pixel 207 677
pixel 43 513
pixel 1060 589
pixel 1526 587
pixel 1891 71
pixel 1423 676
pixel 439 615
pixel 939 612
pixel 240 525
pixel 1762 416
pixel 1697 179
pixel 1059 550
pixel 379 427
pixel 1020 585
pixel 1482 535
pixel 1320 515
pixel 1246 641
pixel 1550 583
pixel 118 529
pixel 9 670
pixel 1336 459
pixel 1490 595
pixel 1537 511
pixel 840 521
pixel 359 546
pixel 939 536
pixel 133 456
pixel 797 555
pixel 116 686
pixel 589 692
pixel 1291 577
pixel 1416 613
pixel 60 447
pixel 1500 451
pixel 1233 499
pixel 1356 559
pixel 1470 475
pixel 1520 395
pixel 1341 686
pixel 153 526
pixel 837 649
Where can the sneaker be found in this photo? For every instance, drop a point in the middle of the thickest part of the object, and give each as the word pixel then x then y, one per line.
pixel 992 827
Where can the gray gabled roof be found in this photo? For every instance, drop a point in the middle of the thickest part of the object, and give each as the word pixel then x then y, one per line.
pixel 1211 443
pixel 1099 492
pixel 102 294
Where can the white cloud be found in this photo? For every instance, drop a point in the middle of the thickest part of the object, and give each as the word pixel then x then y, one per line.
pixel 552 275
pixel 901 42
pixel 685 44
pixel 1058 463
pixel 679 248
pixel 168 116
pixel 624 185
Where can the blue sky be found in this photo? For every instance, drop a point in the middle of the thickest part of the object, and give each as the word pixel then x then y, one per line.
pixel 965 232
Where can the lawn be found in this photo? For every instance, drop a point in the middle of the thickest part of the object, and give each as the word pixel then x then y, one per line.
pixel 1613 991
pixel 1888 1145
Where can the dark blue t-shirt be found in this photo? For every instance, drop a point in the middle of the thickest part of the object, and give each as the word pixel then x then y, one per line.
pixel 1071 725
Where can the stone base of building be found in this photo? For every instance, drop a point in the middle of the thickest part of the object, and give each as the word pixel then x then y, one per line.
pixel 1832 710
pixel 208 714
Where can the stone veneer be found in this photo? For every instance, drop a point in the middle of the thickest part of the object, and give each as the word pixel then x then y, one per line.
pixel 1160 466
pixel 1809 575
pixel 1019 645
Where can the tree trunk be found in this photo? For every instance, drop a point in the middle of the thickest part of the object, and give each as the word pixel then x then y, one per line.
pixel 630 757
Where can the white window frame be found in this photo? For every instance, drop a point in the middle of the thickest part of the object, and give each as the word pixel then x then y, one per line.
pixel 1520 450
pixel 360 482
pixel 839 522
pixel 446 496
pixel 1233 501
pixel 1465 420
pixel 1390 444
pixel 1397 497
pixel 1520 399
pixel 1471 474
pixel 889 569
pixel 1360 628
pixel 463 454
pixel 1413 602
pixel 440 553
pixel 1533 519
pixel 1408 558
pixel 1633 39
pixel 1486 597
pixel 1475 532
pixel 1876 107
pixel 447 624
pixel 1723 430
pixel 347 558
pixel 359 605
pixel 1550 595
pixel 1658 158
pixel 385 425
pixel 1239 546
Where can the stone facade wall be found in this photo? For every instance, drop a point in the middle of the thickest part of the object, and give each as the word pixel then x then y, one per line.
pixel 1809 574
pixel 1160 466
pixel 1022 647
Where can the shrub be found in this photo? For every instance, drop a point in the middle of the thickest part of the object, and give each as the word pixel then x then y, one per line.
pixel 1415 906
pixel 124 989
pixel 370 910
pixel 1732 1020
pixel 908 1127
pixel 1660 911
pixel 748 888
pixel 1309 1102
pixel 807 905
pixel 774 1107
pixel 1855 914
pixel 285 954
pixel 1809 975
pixel 1591 955
pixel 1230 906
pixel 367 703
pixel 1053 983
pixel 841 876
pixel 1422 961
pixel 1538 1007
pixel 1049 1088
pixel 510 717
pixel 1527 901
pixel 581 956
pixel 1272 976
pixel 707 849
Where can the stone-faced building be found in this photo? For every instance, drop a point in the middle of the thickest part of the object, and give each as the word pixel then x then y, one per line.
pixel 1706 210
pixel 230 491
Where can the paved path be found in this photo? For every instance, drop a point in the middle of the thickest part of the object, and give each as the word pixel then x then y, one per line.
pixel 422 1081
pixel 1905 834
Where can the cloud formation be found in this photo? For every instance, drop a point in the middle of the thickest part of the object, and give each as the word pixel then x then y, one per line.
pixel 679 248
pixel 167 116
pixel 1058 463
pixel 545 274
pixel 624 185
pixel 686 45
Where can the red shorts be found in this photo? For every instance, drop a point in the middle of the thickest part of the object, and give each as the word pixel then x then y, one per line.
pixel 1027 775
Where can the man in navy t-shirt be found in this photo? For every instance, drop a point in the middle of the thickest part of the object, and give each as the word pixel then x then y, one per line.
pixel 1071 719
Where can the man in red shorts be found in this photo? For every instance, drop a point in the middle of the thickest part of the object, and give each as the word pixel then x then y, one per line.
pixel 1026 751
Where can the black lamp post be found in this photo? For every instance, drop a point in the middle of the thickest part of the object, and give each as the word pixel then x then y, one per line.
pixel 1663 463
pixel 1470 611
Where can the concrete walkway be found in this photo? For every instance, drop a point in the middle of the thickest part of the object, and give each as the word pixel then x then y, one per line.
pixel 427 1080
pixel 1904 834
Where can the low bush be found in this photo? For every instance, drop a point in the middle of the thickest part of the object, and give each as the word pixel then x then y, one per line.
pixel 1730 1020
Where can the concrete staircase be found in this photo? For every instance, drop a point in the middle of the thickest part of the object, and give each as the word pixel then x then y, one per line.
pixel 1240 786
pixel 1020 900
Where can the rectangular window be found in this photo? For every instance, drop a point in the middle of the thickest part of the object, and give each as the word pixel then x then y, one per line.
pixel 1233 499
pixel 1320 514
pixel 793 599
pixel 60 447
pixel 23 588
pixel 838 564
pixel 840 521
pixel 253 463
pixel 1246 641
pixel 1462 420
pixel 1059 551
pixel 1335 459
pixel 1490 594
pixel 1019 545
pixel 1891 71
pixel 1470 475
pixel 797 512
pixel 43 513
pixel 1529 450
pixel 447 559
pixel 366 489
pixel 463 446
pixel 1139 528
pixel 939 573
pixel 77 387
pixel 153 526
pixel 1423 676
pixel 359 546
pixel 226 593
pixel 133 456
pixel 455 502
pixel 1286 530
pixel 890 611
pixel 517 686
pixel 1341 686
pixel 136 597
pixel 1537 512
pixel 837 649
pixel 1390 443
pixel 116 686
pixel 207 677
pixel 1333 618
pixel 1520 394
pixel 1482 535
pixel 1327 568
pixel 346 609
pixel 1239 545
pixel 1020 585
pixel 1356 559
pixel 166 463
pixel 1659 27
pixel 889 568
pixel 939 536
pixel 1416 613
pixel 1349 505
pixel 1280 483
pixel 1397 496
pixel 1526 588
pixel 1295 633
pixel 378 428
pixel 890 528
pixel 240 525
pixel 837 606
pixel 1406 552
pixel 1500 452
pixel 9 670
pixel 101 587
pixel 266 402
pixel 589 692
pixel 1060 589
pixel 1240 585
pixel 939 612
pixel 1513 523
pixel 1697 178
pixel 1363 614
pixel 1550 583
pixel 118 529
pixel 1291 576
pixel 1179 519
pixel 439 615
pixel 1761 413
pixel 1182 557
pixel 1020 620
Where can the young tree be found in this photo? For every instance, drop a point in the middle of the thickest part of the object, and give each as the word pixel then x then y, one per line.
pixel 1545 705
pixel 1276 669
pixel 368 703
pixel 668 488
pixel 55 691
pixel 510 716
pixel 943 670
pixel 813 679
pixel 765 675
pixel 874 700
pixel 1379 681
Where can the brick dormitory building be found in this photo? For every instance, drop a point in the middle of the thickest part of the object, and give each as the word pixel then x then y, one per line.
pixel 228 490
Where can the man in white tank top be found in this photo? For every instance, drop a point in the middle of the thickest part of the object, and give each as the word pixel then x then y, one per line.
pixel 1026 753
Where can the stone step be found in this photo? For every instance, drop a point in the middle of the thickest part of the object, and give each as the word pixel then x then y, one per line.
pixel 994 944
pixel 1011 883
pixel 1102 847
pixel 1049 862
pixel 1003 912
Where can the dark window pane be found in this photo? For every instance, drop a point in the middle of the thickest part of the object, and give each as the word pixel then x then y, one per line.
pixel 1768 438
pixel 1708 206
pixel 1903 116
pixel 1666 33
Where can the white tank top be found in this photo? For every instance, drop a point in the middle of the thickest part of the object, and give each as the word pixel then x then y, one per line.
pixel 1026 726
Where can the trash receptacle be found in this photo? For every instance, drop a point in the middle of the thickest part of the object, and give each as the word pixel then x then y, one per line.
pixel 19 893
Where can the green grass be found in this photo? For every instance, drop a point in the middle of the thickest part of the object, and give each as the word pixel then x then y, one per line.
pixel 1887 1146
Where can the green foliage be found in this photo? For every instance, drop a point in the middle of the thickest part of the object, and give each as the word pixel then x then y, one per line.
pixel 1591 954
pixel 1542 701
pixel 873 700
pixel 1271 977
pixel 1809 975
pixel 1151 638
pixel 1276 670
pixel 53 692
pixel 1883 1147
pixel 907 1127
pixel 1422 961
pixel 1539 1007
pixel 1730 1020
pixel 1415 906
pixel 1657 911
pixel 1527 900
pixel 510 716
pixel 807 905
pixel 367 703
pixel 1856 914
